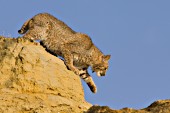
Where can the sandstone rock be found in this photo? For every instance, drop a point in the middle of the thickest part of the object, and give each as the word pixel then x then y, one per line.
pixel 34 81
pixel 161 106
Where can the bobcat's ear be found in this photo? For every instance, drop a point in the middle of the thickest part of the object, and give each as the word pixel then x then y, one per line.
pixel 106 57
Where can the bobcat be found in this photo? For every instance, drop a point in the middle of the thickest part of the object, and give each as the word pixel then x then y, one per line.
pixel 77 49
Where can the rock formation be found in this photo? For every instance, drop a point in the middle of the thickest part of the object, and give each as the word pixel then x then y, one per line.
pixel 34 81
pixel 161 106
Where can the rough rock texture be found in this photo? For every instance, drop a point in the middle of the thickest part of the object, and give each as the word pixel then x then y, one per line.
pixel 161 106
pixel 34 81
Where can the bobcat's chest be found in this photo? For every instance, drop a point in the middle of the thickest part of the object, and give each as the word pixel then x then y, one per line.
pixel 79 61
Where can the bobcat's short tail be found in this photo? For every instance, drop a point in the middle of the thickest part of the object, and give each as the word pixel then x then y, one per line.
pixel 24 27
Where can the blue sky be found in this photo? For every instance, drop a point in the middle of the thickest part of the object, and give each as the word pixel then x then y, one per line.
pixel 135 32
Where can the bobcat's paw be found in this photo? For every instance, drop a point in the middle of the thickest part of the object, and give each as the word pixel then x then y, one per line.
pixel 36 43
pixel 92 87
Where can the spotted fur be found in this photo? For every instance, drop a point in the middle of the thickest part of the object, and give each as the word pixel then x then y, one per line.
pixel 77 49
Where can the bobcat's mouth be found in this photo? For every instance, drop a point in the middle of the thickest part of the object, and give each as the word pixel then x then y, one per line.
pixel 100 73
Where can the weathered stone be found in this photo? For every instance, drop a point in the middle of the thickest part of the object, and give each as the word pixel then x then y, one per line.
pixel 34 81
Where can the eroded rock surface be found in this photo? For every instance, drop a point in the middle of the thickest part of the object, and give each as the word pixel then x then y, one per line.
pixel 160 106
pixel 34 81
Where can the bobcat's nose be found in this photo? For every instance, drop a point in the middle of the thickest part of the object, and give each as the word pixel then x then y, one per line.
pixel 102 74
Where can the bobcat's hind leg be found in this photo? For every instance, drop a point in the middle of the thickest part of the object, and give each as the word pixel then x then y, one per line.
pixel 31 34
pixel 88 79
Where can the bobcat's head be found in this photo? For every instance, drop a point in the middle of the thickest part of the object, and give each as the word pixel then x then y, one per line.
pixel 101 67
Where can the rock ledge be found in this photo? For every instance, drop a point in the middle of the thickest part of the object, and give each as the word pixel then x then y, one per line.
pixel 34 81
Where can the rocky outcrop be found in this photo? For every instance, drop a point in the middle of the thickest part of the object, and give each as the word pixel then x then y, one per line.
pixel 34 81
pixel 161 106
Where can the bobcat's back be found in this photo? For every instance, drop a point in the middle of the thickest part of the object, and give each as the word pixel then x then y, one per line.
pixel 43 20
pixel 53 32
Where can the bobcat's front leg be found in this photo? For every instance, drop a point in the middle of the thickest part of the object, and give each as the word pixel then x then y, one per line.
pixel 68 58
pixel 88 79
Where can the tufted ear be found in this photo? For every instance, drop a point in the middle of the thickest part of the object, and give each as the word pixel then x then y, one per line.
pixel 106 57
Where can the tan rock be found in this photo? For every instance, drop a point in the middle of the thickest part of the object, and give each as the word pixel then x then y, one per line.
pixel 34 81
pixel 161 106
